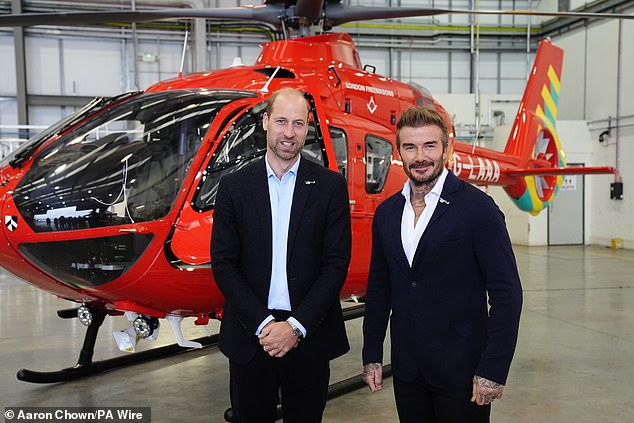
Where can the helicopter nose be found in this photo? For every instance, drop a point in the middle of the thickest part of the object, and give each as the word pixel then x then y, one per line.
pixel 6 254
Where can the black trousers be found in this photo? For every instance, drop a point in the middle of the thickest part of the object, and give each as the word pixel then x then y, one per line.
pixel 299 383
pixel 418 402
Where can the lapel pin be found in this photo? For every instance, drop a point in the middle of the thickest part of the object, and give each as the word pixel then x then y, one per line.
pixel 309 182
pixel 442 200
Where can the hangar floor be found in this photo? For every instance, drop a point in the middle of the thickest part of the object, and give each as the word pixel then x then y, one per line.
pixel 573 361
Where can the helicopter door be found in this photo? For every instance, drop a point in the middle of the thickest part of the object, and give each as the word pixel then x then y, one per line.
pixel 243 142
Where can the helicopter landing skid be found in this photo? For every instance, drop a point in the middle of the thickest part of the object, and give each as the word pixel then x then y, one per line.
pixel 86 367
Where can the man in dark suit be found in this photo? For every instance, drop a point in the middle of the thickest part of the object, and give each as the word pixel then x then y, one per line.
pixel 440 248
pixel 280 252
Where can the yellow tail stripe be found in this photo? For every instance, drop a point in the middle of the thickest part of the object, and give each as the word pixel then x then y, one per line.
pixel 554 79
pixel 549 103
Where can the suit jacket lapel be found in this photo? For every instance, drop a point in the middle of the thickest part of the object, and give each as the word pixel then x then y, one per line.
pixel 259 193
pixel 305 182
pixel 395 230
pixel 452 183
pixel 446 197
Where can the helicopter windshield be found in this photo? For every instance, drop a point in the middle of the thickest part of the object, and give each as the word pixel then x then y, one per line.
pixel 124 165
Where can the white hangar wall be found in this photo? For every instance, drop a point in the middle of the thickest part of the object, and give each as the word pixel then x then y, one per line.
pixel 60 64
pixel 8 111
pixel 602 88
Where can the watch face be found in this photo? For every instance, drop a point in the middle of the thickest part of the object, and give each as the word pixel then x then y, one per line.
pixel 298 333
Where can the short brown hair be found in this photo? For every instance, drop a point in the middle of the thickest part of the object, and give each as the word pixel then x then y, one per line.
pixel 415 117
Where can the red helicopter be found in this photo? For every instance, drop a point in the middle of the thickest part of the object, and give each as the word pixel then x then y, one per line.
pixel 112 207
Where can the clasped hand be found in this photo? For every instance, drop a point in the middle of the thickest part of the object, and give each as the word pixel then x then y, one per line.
pixel 277 338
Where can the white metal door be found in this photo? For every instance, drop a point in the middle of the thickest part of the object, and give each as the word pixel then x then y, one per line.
pixel 565 214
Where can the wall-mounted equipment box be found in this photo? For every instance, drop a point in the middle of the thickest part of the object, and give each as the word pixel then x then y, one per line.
pixel 616 191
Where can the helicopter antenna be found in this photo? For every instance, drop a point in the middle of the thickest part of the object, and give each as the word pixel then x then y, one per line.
pixel 265 88
pixel 180 73
pixel 283 24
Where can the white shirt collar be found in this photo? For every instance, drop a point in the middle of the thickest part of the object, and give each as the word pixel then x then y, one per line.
pixel 411 231
pixel 269 169
pixel 436 190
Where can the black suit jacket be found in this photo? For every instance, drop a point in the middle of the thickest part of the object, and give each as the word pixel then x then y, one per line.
pixel 439 323
pixel 319 243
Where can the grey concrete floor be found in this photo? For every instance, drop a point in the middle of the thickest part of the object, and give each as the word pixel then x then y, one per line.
pixel 573 361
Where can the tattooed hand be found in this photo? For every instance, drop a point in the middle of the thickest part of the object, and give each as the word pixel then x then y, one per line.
pixel 373 376
pixel 485 390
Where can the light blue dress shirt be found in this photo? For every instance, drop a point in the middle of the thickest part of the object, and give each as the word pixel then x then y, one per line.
pixel 281 196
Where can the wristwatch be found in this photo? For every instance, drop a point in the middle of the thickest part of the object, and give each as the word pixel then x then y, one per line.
pixel 296 331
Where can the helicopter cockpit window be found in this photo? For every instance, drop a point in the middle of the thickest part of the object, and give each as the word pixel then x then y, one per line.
pixel 244 142
pixel 378 156
pixel 340 145
pixel 124 165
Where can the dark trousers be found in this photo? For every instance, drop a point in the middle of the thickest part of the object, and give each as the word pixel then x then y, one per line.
pixel 300 383
pixel 418 402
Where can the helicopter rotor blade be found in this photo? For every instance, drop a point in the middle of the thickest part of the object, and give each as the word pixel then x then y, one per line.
pixel 274 12
pixel 270 13
pixel 338 14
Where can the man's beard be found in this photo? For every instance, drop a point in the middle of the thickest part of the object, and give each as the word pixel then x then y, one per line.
pixel 418 180
pixel 285 154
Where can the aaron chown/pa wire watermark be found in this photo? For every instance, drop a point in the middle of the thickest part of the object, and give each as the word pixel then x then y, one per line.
pixel 78 414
